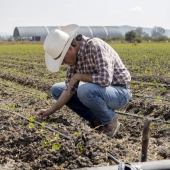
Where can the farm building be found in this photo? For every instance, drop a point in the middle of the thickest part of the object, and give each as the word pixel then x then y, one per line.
pixel 39 33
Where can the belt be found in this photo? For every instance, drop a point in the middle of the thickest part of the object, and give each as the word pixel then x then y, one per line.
pixel 121 85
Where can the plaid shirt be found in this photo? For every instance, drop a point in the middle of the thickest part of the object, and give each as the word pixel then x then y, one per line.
pixel 99 59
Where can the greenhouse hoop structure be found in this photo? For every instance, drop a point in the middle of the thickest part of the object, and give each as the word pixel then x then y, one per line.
pixel 39 33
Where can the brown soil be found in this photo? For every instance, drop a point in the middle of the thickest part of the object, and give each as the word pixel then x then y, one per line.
pixel 21 147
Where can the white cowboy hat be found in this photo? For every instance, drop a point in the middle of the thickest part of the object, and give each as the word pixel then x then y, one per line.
pixel 57 44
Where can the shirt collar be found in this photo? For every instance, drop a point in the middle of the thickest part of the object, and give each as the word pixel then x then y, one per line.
pixel 82 48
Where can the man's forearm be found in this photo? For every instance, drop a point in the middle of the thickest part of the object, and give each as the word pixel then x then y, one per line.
pixel 63 99
pixel 83 77
pixel 66 95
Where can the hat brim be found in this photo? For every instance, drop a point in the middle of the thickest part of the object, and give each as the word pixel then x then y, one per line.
pixel 54 65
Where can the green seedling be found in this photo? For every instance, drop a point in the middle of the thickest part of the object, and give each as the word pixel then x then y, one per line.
pixel 41 131
pixel 43 124
pixel 32 125
pixel 36 68
pixel 166 126
pixel 21 123
pixel 42 96
pixel 54 124
pixel 12 107
pixel 80 148
pixel 158 99
pixel 141 114
pixel 152 125
pixel 32 119
pixel 142 85
pixel 50 119
pixel 44 143
pixel 163 88
pixel 125 118
pixel 56 146
pixel 48 139
pixel 156 83
pixel 138 95
pixel 77 134
pixel 57 136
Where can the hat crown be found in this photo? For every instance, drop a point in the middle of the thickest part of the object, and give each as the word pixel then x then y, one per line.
pixel 55 42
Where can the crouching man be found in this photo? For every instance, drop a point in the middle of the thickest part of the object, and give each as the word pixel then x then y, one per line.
pixel 97 81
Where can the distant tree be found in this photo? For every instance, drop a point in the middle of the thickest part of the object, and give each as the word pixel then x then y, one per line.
pixel 145 34
pixel 130 36
pixel 146 38
pixel 157 31
pixel 9 39
pixel 160 38
pixel 139 31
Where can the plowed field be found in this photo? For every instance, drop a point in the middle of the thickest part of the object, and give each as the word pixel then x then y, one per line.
pixel 25 88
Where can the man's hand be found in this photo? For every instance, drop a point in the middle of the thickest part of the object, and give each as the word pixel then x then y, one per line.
pixel 43 113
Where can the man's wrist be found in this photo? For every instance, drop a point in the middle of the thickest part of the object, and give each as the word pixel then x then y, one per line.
pixel 77 77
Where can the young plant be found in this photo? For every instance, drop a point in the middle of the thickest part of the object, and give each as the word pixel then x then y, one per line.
pixel 57 136
pixel 156 83
pixel 54 124
pixel 77 134
pixel 163 89
pixel 32 119
pixel 46 142
pixel 141 85
pixel 158 99
pixel 12 107
pixel 166 126
pixel 56 146
pixel 152 125
pixel 125 118
pixel 81 148
pixel 43 96
pixel 43 125
pixel 31 125
pixel 41 131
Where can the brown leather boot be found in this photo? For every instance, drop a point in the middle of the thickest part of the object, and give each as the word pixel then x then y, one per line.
pixel 110 129
pixel 96 122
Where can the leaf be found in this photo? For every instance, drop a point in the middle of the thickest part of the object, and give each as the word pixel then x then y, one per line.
pixel 44 143
pixel 41 131
pixel 57 136
pixel 32 118
pixel 43 124
pixel 77 134
pixel 56 146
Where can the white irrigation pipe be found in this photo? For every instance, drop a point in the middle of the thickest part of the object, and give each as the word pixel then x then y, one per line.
pixel 150 84
pixel 123 113
pixel 148 167
pixel 130 114
pixel 19 89
pixel 137 95
pixel 140 75
pixel 67 137
pixel 113 158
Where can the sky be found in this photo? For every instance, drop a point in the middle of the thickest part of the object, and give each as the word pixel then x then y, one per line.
pixel 138 13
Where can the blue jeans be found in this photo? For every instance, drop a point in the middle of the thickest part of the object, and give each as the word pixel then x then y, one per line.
pixel 92 100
